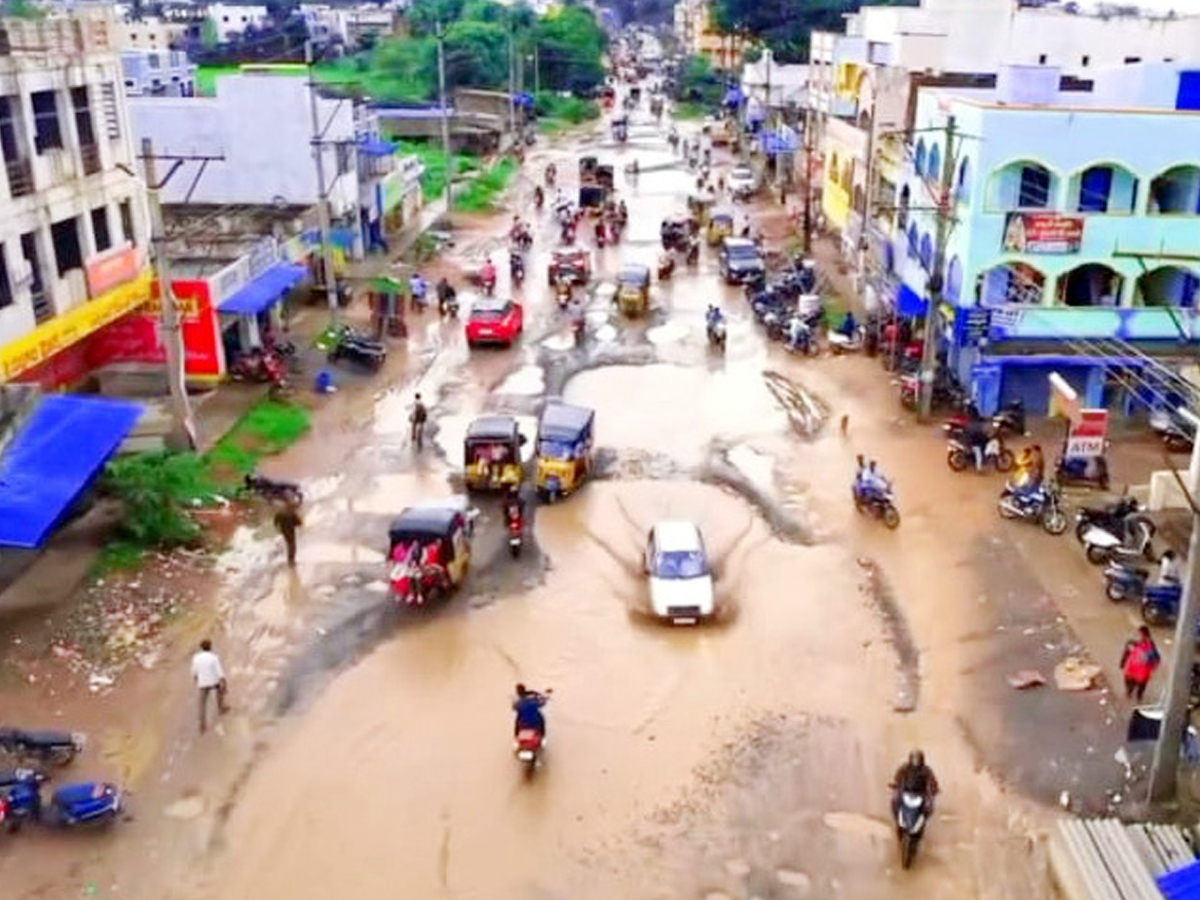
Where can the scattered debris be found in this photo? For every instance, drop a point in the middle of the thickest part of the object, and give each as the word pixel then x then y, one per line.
pixel 1073 674
pixel 1026 679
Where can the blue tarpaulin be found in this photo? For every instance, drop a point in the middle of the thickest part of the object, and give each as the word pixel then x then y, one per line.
pixel 1182 884
pixel 909 302
pixel 264 291
pixel 53 459
pixel 376 147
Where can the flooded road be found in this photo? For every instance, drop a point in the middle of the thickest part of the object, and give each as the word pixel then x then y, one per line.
pixel 747 757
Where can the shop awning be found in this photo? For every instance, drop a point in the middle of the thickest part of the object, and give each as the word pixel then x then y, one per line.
pixel 375 147
pixel 910 303
pixel 264 291
pixel 52 460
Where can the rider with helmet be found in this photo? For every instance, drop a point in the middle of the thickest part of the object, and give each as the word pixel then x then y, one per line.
pixel 914 777
pixel 528 707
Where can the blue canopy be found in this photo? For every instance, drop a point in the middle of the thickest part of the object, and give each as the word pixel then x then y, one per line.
pixel 376 147
pixel 264 291
pixel 1182 884
pixel 54 458
pixel 909 302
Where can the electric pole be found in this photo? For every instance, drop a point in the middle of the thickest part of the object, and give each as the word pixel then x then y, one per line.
pixel 512 85
pixel 183 426
pixel 441 59
pixel 537 72
pixel 808 168
pixel 1164 773
pixel 867 195
pixel 330 279
pixel 944 204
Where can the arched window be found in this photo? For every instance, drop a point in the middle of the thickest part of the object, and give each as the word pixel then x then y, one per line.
pixel 905 201
pixel 912 241
pixel 935 162
pixel 926 252
pixel 962 191
pixel 954 278
pixel 920 158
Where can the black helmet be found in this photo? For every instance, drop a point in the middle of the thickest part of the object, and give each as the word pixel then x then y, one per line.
pixel 916 758
pixel 521 690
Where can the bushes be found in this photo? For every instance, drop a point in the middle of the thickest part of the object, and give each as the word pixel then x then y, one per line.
pixel 567 107
pixel 481 194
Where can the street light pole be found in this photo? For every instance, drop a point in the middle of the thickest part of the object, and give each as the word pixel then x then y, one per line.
pixel 944 205
pixel 1165 770
pixel 441 60
pixel 323 223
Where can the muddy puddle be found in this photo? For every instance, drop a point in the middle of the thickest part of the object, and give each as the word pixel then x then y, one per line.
pixel 639 709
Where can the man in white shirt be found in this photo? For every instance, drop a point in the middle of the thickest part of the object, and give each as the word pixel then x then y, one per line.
pixel 210 678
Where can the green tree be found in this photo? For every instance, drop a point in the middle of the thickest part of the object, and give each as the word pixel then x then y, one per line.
pixel 570 45
pixel 404 69
pixel 422 17
pixel 785 25
pixel 698 83
pixel 476 55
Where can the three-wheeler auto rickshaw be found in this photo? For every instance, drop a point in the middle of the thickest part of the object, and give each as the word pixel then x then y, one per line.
pixel 720 226
pixel 620 129
pixel 564 448
pixel 633 289
pixel 700 205
pixel 676 231
pixel 587 169
pixel 429 550
pixel 492 454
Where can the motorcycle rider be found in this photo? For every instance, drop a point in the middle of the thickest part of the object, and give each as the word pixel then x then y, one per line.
pixel 799 333
pixel 976 433
pixel 417 418
pixel 1168 568
pixel 514 508
pixel 418 287
pixel 914 777
pixel 551 172
pixel 528 707
pixel 1030 471
pixel 849 326
pixel 539 196
pixel 874 483
pixel 445 294
pixel 487 274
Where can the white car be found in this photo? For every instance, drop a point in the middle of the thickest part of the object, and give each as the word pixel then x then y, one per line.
pixel 742 182
pixel 681 587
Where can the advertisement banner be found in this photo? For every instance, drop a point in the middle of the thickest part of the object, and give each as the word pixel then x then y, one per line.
pixel 1042 233
pixel 106 270
pixel 1088 433
pixel 62 331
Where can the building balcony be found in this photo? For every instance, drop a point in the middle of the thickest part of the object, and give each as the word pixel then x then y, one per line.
pixel 90 155
pixel 20 177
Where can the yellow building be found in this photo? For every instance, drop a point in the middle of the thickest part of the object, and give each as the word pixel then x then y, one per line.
pixel 698 36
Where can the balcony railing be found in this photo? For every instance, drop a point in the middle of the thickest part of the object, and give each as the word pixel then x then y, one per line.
pixel 20 177
pixel 91 158
pixel 42 309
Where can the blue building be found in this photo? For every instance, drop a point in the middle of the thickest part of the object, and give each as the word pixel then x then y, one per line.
pixel 1074 236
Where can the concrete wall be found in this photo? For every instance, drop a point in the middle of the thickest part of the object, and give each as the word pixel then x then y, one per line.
pixel 262 125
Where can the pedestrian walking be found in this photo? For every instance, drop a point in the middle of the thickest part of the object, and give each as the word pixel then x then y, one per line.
pixel 210 679
pixel 1138 662
pixel 417 418
pixel 287 520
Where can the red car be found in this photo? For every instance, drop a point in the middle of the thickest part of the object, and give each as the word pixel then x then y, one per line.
pixel 495 320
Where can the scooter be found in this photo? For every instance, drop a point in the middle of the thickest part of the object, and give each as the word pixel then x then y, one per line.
pixel 910 825
pixel 716 333
pixel 839 342
pixel 529 746
pixel 47 746
pixel 1043 505
pixel 1120 518
pixel 960 454
pixel 273 489
pixel 1102 546
pixel 516 268
pixel 1126 582
pixel 516 531
pixel 82 803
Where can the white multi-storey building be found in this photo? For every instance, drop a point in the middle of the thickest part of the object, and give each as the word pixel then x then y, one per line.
pixel 73 216
pixel 231 19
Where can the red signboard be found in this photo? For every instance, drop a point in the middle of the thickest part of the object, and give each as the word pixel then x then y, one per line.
pixel 1088 433
pixel 106 270
pixel 138 336
pixel 1042 233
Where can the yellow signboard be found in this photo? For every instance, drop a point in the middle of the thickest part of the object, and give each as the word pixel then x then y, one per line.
pixel 62 331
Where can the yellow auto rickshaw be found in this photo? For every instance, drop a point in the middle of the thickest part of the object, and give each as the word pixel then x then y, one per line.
pixel 492 453
pixel 429 550
pixel 633 289
pixel 564 448
pixel 720 226
pixel 700 205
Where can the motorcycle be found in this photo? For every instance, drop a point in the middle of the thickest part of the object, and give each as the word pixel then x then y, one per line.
pixel 960 454
pixel 601 235
pixel 47 746
pixel 1120 518
pixel 521 237
pixel 487 280
pixel 529 746
pixel 516 268
pixel 562 292
pixel 693 253
pixel 516 530
pixel 1102 546
pixel 270 489
pixel 1089 471
pixel 356 347
pixel 567 234
pixel 551 175
pixel 1126 582
pixel 82 803
pixel 879 503
pixel 839 342
pixel 539 197
pixel 716 333
pixel 1010 419
pixel 911 816
pixel 260 366
pixel 1042 505
pixel 579 328
pixel 800 337
pixel 666 267
pixel 1178 435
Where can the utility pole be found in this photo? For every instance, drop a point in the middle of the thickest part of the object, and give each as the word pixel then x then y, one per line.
pixel 1164 773
pixel 330 279
pixel 512 84
pixel 868 193
pixel 441 54
pixel 809 118
pixel 183 426
pixel 945 207
pixel 537 72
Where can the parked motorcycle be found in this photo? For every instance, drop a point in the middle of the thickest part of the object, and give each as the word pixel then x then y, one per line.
pixel 880 504
pixel 1126 582
pixel 1009 420
pixel 355 347
pixel 273 489
pixel 82 803
pixel 960 454
pixel 258 365
pixel 911 816
pixel 1121 518
pixel 1104 546
pixel 1177 433
pixel 1088 471
pixel 46 746
pixel 1042 505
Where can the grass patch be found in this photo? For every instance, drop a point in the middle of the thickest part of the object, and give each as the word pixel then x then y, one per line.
pixel 569 108
pixel 118 556
pixel 206 78
pixel 157 489
pixel 552 126
pixel 687 110
pixel 483 191
pixel 433 181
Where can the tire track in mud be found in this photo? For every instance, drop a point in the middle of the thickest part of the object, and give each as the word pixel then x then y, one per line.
pixel 882 599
